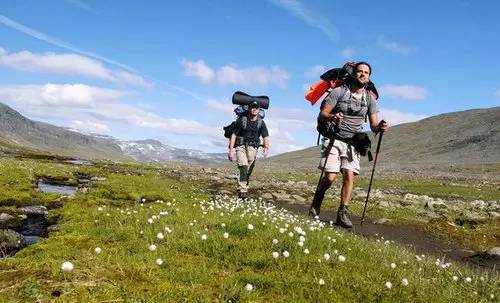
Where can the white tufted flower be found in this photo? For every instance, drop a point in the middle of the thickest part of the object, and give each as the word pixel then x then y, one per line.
pixel 67 266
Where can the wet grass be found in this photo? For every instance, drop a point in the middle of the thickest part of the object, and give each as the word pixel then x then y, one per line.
pixel 113 217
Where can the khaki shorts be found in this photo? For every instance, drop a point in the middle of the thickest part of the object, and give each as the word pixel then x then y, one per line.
pixel 245 155
pixel 341 157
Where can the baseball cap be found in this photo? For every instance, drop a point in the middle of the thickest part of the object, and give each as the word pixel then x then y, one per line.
pixel 254 104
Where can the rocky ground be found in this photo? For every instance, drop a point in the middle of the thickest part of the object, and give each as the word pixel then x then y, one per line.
pixel 424 211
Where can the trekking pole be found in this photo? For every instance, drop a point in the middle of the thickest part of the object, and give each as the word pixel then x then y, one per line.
pixel 371 178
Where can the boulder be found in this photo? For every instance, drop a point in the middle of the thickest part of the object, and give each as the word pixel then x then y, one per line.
pixel 98 179
pixel 478 204
pixel 470 218
pixel 493 252
pixel 35 210
pixel 299 198
pixel 267 196
pixel 494 215
pixel 280 195
pixel 9 221
pixel 382 221
pixel 11 241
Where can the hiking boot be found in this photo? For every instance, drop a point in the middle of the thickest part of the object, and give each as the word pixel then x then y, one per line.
pixel 313 212
pixel 343 217
pixel 244 195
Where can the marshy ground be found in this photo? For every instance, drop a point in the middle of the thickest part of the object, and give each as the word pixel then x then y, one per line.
pixel 160 233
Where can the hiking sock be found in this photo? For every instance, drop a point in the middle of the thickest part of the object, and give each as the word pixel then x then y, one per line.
pixel 319 195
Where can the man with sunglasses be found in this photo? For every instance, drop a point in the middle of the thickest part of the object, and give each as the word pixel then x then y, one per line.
pixel 346 106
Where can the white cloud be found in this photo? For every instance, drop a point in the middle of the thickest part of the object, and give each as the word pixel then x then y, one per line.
pixel 226 108
pixel 347 53
pixel 67 64
pixel 198 69
pixel 82 5
pixel 394 47
pixel 252 76
pixel 314 19
pixel 394 117
pixel 87 103
pixel 291 118
pixel 410 92
pixel 55 95
pixel 46 38
pixel 315 71
pixel 231 74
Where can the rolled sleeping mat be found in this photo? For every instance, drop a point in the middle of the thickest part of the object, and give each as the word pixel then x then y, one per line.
pixel 242 98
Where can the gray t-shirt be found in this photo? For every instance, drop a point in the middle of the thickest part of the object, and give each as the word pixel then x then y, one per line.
pixel 354 108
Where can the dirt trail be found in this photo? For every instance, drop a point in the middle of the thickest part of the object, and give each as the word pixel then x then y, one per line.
pixel 411 236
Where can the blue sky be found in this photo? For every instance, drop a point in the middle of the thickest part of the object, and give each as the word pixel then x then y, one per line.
pixel 166 70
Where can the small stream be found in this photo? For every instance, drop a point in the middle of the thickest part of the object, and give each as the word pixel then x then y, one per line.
pixel 52 187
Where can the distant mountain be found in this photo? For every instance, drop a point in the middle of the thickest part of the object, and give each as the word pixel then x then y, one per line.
pixel 471 136
pixel 24 132
pixel 152 150
pixel 19 131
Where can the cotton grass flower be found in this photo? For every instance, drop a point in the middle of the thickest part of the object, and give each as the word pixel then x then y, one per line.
pixel 250 226
pixel 204 237
pixel 249 287
pixel 404 282
pixel 388 285
pixel 226 235
pixel 286 254
pixel 306 251
pixel 326 257
pixel 152 247
pixel 393 265
pixel 160 236
pixel 468 279
pixel 159 261
pixel 275 241
pixel 67 266
pixel 98 250
pixel 341 258
pixel 455 278
pixel 275 254
pixel 321 282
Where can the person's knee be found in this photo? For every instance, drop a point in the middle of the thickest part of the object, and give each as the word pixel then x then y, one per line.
pixel 348 175
pixel 328 179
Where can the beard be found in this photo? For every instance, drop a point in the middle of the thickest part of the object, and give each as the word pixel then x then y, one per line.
pixel 358 82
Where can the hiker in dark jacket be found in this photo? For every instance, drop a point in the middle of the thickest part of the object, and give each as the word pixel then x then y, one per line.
pixel 346 106
pixel 245 142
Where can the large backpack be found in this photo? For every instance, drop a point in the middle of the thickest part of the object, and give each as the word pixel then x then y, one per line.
pixel 334 78
pixel 242 114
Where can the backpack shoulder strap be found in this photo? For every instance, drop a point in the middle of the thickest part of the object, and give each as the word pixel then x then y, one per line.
pixel 260 121
pixel 368 104
pixel 244 122
pixel 344 91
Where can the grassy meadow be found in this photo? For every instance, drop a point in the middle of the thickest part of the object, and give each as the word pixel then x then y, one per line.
pixel 141 235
